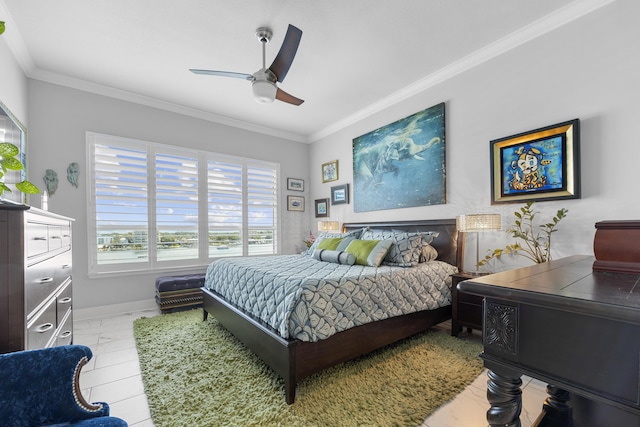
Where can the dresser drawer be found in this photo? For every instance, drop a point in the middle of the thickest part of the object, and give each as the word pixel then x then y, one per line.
pixel 65 330
pixel 468 298
pixel 43 278
pixel 42 237
pixel 64 300
pixel 42 328
pixel 36 239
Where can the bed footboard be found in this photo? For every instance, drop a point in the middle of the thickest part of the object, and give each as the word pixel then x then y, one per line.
pixel 295 360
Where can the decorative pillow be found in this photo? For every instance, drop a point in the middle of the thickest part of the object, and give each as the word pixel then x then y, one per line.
pixel 429 253
pixel 330 243
pixel 338 257
pixel 355 234
pixel 334 243
pixel 426 253
pixel 369 252
pixel 405 250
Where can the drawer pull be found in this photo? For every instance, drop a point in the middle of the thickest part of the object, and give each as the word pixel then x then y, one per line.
pixel 40 238
pixel 45 280
pixel 56 237
pixel 65 266
pixel 65 334
pixel 65 300
pixel 44 328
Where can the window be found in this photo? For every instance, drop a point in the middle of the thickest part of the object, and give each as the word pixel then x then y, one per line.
pixel 156 207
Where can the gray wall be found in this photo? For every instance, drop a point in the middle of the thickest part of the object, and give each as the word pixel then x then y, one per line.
pixel 60 117
pixel 587 69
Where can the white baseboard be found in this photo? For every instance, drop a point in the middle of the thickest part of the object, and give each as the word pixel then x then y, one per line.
pixel 114 309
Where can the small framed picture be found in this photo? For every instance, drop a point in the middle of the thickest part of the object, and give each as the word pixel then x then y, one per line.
pixel 295 184
pixel 340 194
pixel 322 208
pixel 295 203
pixel 330 171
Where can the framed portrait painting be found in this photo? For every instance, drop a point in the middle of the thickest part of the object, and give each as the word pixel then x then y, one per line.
pixel 542 164
pixel 401 165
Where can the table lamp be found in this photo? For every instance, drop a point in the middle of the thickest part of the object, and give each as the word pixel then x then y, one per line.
pixel 475 223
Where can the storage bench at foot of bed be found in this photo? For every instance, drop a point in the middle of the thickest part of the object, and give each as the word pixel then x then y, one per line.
pixel 182 291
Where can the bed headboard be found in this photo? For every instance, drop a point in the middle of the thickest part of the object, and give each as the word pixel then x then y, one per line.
pixel 446 243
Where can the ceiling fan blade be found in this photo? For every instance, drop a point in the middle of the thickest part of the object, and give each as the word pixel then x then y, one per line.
pixel 222 74
pixel 285 97
pixel 282 63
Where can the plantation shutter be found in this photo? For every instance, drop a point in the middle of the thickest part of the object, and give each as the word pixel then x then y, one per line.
pixel 162 207
pixel 225 207
pixel 262 212
pixel 176 204
pixel 121 202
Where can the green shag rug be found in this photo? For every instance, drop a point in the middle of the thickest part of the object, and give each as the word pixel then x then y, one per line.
pixel 196 373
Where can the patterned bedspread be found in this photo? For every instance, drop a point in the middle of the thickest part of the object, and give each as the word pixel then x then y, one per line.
pixel 310 300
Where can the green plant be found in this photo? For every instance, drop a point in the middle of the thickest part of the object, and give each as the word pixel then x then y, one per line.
pixel 536 245
pixel 9 161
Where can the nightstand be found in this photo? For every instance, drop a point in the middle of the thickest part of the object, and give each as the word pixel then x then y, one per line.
pixel 466 309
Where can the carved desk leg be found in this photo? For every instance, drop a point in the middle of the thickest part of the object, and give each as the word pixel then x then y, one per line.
pixel 505 396
pixel 555 411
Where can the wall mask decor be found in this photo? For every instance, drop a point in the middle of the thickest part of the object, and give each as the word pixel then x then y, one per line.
pixel 72 173
pixel 402 164
pixel 51 181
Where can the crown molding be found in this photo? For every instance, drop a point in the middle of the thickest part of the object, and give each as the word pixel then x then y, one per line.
pixel 530 32
pixel 544 25
pixel 148 101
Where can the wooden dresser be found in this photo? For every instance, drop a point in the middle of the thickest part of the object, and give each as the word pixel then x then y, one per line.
pixel 35 279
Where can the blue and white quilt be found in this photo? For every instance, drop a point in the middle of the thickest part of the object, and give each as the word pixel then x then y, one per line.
pixel 310 300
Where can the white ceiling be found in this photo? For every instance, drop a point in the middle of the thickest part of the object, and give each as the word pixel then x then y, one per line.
pixel 355 56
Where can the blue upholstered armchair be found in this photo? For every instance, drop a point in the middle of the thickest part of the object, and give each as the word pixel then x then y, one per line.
pixel 41 387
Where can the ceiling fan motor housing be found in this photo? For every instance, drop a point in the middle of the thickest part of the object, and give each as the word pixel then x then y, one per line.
pixel 264 91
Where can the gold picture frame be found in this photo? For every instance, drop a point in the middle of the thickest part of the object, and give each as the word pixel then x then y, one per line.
pixel 330 171
pixel 542 164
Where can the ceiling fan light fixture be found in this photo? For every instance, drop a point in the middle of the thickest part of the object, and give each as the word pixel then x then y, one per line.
pixel 264 91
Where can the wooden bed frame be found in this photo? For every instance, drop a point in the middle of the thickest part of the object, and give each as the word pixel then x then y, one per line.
pixel 294 360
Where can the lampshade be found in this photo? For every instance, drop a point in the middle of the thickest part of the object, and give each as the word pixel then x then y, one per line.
pixel 264 91
pixel 479 222
pixel 328 226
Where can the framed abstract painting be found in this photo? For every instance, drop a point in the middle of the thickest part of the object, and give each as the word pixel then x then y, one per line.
pixel 401 165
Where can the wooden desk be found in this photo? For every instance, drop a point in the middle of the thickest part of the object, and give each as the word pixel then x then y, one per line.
pixel 573 328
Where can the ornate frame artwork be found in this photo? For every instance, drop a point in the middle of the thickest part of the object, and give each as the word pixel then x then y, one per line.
pixel 542 164
pixel 402 164
pixel 330 171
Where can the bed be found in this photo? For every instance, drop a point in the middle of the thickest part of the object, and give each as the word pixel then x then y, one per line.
pixel 308 353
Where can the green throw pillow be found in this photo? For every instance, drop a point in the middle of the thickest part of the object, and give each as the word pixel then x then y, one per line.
pixel 369 252
pixel 330 243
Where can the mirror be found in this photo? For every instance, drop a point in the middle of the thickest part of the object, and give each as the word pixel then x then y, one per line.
pixel 11 130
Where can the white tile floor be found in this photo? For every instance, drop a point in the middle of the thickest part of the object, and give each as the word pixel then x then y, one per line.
pixel 113 376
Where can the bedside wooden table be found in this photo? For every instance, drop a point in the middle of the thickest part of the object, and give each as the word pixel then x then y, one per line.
pixel 466 309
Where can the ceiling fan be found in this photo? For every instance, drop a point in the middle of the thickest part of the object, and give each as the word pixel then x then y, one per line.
pixel 264 80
